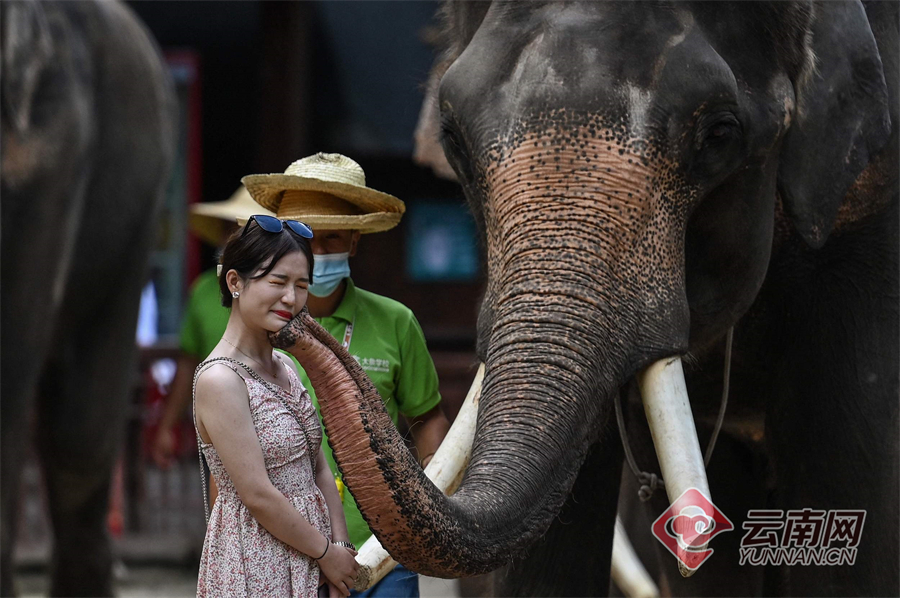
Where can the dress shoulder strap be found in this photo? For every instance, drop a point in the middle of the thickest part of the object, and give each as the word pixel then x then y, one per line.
pixel 228 361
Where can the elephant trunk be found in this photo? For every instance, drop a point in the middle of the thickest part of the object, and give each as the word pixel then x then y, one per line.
pixel 536 421
pixel 413 519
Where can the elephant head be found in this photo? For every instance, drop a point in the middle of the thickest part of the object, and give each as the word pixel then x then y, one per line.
pixel 624 163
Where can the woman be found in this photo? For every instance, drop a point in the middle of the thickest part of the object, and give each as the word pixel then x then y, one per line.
pixel 277 522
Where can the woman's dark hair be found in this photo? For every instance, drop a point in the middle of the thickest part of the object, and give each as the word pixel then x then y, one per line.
pixel 246 254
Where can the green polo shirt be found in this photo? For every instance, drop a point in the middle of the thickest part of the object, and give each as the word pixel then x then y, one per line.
pixel 388 343
pixel 204 320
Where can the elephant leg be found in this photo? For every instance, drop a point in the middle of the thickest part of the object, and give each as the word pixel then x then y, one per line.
pixel 829 457
pixel 825 462
pixel 35 238
pixel 27 313
pixel 85 399
pixel 573 557
pixel 15 410
pixel 832 428
pixel 41 221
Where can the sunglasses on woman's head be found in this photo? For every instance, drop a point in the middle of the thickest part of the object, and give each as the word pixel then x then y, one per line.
pixel 271 224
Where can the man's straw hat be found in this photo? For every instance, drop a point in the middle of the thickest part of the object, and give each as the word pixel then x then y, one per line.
pixel 326 191
pixel 210 220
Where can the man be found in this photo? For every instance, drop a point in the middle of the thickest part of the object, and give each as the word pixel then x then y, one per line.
pixel 328 192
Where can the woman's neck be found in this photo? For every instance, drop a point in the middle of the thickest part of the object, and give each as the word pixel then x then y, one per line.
pixel 245 342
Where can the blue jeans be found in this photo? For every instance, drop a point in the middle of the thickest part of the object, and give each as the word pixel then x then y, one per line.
pixel 399 583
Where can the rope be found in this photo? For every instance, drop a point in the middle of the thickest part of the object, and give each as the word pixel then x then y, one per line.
pixel 649 481
pixel 726 376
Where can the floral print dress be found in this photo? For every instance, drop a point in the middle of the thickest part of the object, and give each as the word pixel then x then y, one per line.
pixel 241 558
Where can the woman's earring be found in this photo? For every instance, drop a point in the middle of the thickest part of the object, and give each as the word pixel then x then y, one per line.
pixel 235 294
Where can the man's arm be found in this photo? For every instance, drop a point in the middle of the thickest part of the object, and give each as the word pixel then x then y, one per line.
pixel 176 404
pixel 417 388
pixel 428 431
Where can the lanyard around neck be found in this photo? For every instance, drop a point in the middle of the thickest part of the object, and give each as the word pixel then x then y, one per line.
pixel 348 334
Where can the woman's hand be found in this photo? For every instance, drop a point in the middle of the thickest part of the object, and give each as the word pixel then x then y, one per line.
pixel 340 568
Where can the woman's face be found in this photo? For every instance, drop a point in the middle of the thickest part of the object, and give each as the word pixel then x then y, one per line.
pixel 271 301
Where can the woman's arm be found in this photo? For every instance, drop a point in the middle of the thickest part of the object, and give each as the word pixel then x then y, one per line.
pixel 224 419
pixel 325 482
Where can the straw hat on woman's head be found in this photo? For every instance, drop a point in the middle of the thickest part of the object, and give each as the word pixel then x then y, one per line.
pixel 211 221
pixel 326 191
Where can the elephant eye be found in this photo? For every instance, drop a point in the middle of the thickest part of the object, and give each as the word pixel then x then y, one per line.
pixel 717 143
pixel 455 149
pixel 449 139
pixel 720 130
pixel 723 128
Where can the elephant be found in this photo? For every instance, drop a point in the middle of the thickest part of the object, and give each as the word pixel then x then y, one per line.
pixel 658 185
pixel 88 138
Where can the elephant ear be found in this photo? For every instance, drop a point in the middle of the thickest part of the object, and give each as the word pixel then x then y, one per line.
pixel 841 121
pixel 27 50
pixel 459 22
pixel 427 150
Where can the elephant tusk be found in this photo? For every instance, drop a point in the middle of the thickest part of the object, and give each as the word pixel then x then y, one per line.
pixel 627 571
pixel 445 470
pixel 671 422
pixel 374 563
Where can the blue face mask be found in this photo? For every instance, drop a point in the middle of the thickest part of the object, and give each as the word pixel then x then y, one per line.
pixel 328 271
